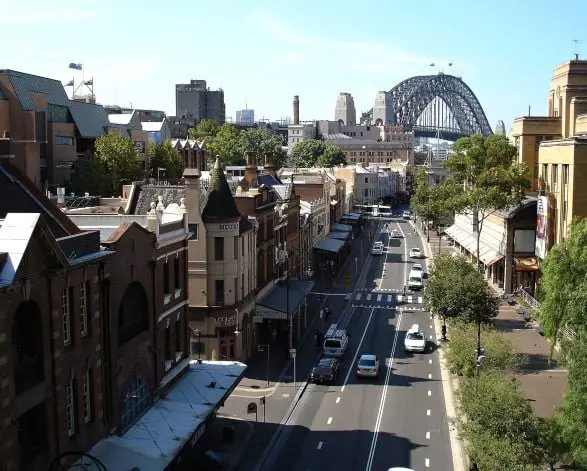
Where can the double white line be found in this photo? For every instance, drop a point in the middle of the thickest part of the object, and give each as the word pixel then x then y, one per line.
pixel 382 402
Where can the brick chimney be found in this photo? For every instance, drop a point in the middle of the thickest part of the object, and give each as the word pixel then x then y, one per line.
pixel 296 109
pixel 269 166
pixel 191 177
pixel 251 169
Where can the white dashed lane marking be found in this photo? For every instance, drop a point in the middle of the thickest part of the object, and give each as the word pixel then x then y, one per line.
pixel 369 297
pixel 389 298
pixel 379 296
pixel 330 420
pixel 429 375
pixel 427 463
pixel 358 298
pixel 429 393
pixel 338 399
pixel 427 412
pixel 427 435
pixel 319 445
pixel 430 361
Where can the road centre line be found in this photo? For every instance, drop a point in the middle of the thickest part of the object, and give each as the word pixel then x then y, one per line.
pixel 429 393
pixel 428 412
pixel 430 361
pixel 338 399
pixel 427 436
pixel 329 421
pixel 429 375
pixel 427 463
pixel 383 397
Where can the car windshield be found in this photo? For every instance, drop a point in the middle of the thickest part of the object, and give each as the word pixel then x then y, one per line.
pixel 322 369
pixel 367 363
pixel 325 362
pixel 417 267
pixel 415 250
pixel 415 279
pixel 332 343
pixel 415 336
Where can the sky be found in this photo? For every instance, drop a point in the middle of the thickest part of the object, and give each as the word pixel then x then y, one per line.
pixel 262 52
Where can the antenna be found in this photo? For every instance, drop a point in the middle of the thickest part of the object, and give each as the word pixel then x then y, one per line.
pixel 577 42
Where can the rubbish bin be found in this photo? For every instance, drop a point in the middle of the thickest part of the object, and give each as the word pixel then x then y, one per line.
pixel 228 434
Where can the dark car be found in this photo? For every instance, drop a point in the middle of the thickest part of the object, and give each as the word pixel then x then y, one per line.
pixel 325 371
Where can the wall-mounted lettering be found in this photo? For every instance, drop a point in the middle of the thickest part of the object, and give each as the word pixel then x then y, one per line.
pixel 228 227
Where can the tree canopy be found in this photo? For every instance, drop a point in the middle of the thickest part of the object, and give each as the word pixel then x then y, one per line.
pixel 484 178
pixel 563 285
pixel 205 129
pixel 428 201
pixel 90 175
pixel 165 156
pixel 316 153
pixel 456 289
pixel 262 141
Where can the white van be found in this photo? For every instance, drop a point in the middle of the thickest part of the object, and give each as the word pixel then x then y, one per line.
pixel 415 280
pixel 335 341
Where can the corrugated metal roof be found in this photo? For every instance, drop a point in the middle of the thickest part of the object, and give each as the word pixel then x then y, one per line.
pixel 91 120
pixel 25 84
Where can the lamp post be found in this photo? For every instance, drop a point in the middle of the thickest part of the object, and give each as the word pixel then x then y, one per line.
pixel 262 348
pixel 198 333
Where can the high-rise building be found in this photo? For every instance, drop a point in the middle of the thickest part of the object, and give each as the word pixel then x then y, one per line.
pixel 245 117
pixel 383 109
pixel 197 102
pixel 345 109
pixel 500 128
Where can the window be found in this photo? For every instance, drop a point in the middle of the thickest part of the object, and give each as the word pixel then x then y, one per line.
pixel 83 309
pixel 70 407
pixel 219 285
pixel 87 395
pixel 176 274
pixel 366 180
pixel 235 247
pixel 63 140
pixel 40 126
pixel 66 316
pixel 166 278
pixel 366 192
pixel 218 248
pixel 136 401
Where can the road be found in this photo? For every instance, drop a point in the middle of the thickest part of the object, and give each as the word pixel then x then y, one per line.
pixel 398 419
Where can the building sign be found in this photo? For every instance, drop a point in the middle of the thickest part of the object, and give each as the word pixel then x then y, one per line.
pixel 227 227
pixel 64 165
pixel 226 321
pixel 541 226
pixel 139 146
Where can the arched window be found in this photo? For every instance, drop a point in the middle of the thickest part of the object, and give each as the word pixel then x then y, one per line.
pixel 136 401
pixel 27 339
pixel 133 317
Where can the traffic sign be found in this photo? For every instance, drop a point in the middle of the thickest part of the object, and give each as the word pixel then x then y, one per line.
pixel 292 352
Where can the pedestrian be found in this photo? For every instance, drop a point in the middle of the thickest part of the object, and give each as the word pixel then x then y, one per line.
pixel 404 290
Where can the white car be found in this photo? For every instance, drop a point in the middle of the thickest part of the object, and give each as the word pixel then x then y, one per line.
pixel 417 267
pixel 415 252
pixel 406 215
pixel 377 248
pixel 395 233
pixel 368 366
pixel 415 340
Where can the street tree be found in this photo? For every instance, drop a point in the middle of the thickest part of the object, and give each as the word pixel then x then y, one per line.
pixel 332 156
pixel 455 289
pixel 165 156
pixel 316 153
pixel 563 285
pixel 262 141
pixel 119 156
pixel 225 145
pixel 500 426
pixel 205 129
pixel 428 201
pixel 90 175
pixel 484 178
pixel 573 415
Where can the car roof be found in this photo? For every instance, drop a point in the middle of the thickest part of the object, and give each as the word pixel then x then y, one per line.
pixel 415 248
pixel 325 361
pixel 367 357
pixel 415 266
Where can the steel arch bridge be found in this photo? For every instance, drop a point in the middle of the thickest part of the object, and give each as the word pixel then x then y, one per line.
pixel 432 105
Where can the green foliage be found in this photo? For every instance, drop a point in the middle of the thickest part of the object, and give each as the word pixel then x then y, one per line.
pixel 501 429
pixel 165 156
pixel 262 141
pixel 484 178
pixel 461 354
pixel 564 284
pixel 205 129
pixel 316 153
pixel 456 289
pixel 429 202
pixel 225 144
pixel 119 157
pixel 573 417
pixel 90 175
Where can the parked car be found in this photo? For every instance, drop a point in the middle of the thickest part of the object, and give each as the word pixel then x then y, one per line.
pixel 325 371
pixel 395 233
pixel 415 252
pixel 406 215
pixel 367 366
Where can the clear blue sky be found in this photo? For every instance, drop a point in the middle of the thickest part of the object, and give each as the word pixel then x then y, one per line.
pixel 264 52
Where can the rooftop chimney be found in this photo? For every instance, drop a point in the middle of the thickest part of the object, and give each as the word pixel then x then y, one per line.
pixel 296 109
pixel 269 166
pixel 576 57
pixel 251 169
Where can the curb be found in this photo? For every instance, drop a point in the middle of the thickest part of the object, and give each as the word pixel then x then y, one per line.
pixel 269 448
pixel 449 389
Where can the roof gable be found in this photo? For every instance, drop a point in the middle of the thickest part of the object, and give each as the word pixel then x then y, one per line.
pixel 26 84
pixel 220 203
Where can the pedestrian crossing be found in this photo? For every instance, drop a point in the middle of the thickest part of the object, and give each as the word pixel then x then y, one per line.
pixel 389 298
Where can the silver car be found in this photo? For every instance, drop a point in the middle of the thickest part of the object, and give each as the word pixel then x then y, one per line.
pixel 368 366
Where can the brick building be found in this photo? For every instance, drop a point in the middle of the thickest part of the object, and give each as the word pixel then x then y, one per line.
pixel 50 332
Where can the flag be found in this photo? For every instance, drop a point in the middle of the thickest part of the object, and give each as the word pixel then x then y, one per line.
pixel 75 66
pixel 450 64
pixel 89 82
pixel 69 84
pixel 432 65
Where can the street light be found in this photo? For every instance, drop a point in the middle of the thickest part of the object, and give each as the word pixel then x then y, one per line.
pixel 262 348
pixel 198 333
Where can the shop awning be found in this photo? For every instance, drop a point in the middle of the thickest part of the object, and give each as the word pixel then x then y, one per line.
pixel 339 235
pixel 329 245
pixel 487 254
pixel 337 227
pixel 178 417
pixel 526 264
pixel 274 304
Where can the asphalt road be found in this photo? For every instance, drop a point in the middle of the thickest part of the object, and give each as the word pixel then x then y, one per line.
pixel 395 420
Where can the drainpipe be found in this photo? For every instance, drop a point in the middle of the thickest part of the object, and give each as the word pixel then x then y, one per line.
pixel 52 363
